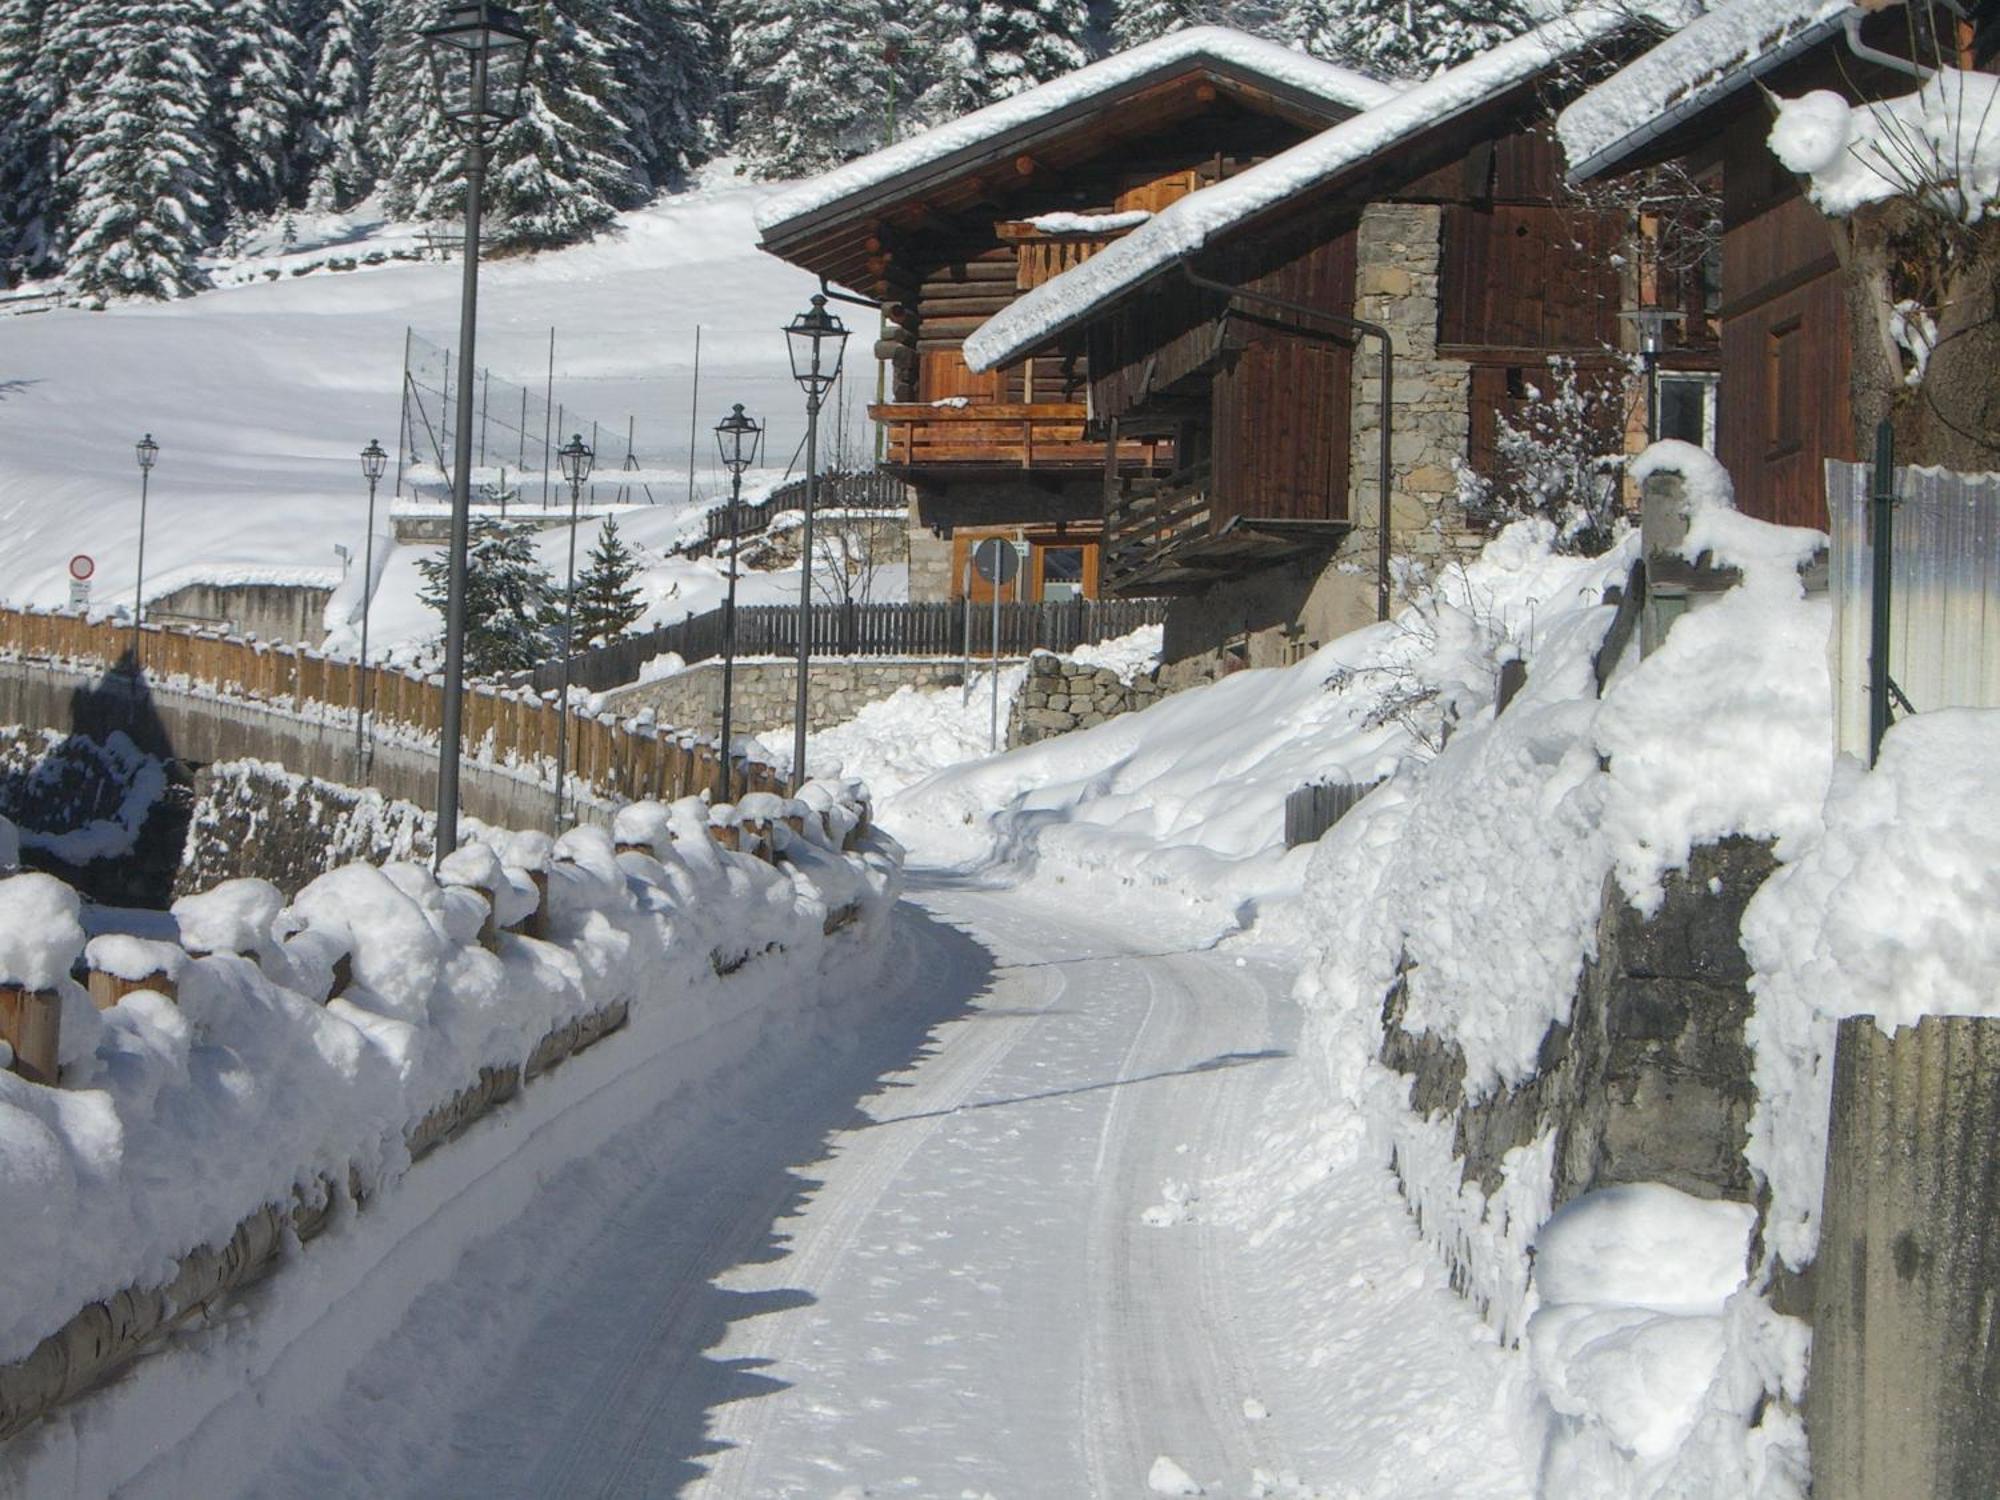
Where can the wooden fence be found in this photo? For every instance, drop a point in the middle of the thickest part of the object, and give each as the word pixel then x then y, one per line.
pixel 862 630
pixel 619 759
pixel 1311 810
pixel 872 490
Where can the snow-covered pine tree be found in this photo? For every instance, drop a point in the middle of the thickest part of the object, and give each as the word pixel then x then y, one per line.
pixel 1136 21
pixel 814 82
pixel 607 600
pixel 934 70
pixel 669 75
pixel 141 163
pixel 28 93
pixel 1402 38
pixel 259 105
pixel 419 156
pixel 1020 43
pixel 339 166
pixel 511 604
pixel 565 168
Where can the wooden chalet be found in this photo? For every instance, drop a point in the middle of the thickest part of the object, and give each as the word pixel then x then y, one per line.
pixel 1226 331
pixel 948 228
pixel 1786 333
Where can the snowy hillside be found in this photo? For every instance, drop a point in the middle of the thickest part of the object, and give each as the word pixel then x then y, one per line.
pixel 261 395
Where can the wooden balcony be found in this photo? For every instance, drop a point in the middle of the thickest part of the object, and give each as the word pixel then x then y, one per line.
pixel 1164 536
pixel 996 436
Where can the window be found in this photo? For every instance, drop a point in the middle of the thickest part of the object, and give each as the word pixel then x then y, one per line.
pixel 1784 388
pixel 1062 573
pixel 1687 408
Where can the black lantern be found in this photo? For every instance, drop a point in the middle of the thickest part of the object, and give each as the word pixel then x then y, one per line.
pixel 148 451
pixel 806 334
pixel 738 438
pixel 577 457
pixel 479 59
pixel 374 461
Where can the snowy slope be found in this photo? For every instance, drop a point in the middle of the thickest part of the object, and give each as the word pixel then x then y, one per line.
pixel 261 395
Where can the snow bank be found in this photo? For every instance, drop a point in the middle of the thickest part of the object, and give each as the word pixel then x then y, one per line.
pixel 176 1121
pixel 1939 145
pixel 1892 911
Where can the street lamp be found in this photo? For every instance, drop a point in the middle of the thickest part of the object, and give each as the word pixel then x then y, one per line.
pixel 374 461
pixel 806 334
pixel 149 453
pixel 1652 322
pixel 576 458
pixel 479 61
pixel 738 439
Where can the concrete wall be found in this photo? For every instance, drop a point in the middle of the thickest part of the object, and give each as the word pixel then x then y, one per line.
pixel 765 692
pixel 290 613
pixel 188 727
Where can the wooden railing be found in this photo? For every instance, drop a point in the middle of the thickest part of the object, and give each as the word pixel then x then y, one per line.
pixel 863 630
pixel 1046 435
pixel 872 490
pixel 619 759
pixel 1148 518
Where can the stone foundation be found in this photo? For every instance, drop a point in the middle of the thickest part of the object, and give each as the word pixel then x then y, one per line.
pixel 765 691
pixel 1061 695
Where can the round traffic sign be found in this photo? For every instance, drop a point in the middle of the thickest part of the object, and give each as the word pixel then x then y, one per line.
pixel 996 561
pixel 81 567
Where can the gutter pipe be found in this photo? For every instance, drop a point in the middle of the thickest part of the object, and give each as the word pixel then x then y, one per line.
pixel 1347 325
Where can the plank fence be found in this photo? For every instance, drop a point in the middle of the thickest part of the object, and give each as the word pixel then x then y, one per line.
pixel 872 490
pixel 1311 810
pixel 621 759
pixel 862 630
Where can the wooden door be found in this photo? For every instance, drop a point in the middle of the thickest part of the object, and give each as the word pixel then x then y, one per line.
pixel 942 374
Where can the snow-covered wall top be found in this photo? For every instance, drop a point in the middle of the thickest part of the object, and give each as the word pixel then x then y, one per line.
pixel 1710 58
pixel 1220 44
pixel 243 575
pixel 1186 226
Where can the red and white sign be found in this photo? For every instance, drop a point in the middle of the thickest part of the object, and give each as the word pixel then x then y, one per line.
pixel 81 567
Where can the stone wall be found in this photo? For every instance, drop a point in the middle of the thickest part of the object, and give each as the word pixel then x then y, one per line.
pixel 1650 1081
pixel 930 562
pixel 765 691
pixel 252 818
pixel 293 614
pixel 1061 695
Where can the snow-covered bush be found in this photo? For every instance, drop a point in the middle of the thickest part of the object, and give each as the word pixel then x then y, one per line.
pixel 1561 458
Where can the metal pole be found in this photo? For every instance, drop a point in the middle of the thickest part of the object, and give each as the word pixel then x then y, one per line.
pixel 965 631
pixel 993 727
pixel 485 391
pixel 548 409
pixel 139 581
pixel 1883 525
pixel 805 576
pixel 729 640
pixel 361 672
pixel 569 646
pixel 461 487
pixel 694 408
pixel 403 432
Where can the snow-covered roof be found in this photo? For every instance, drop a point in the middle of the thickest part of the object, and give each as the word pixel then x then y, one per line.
pixel 1219 45
pixel 1186 226
pixel 242 575
pixel 1707 60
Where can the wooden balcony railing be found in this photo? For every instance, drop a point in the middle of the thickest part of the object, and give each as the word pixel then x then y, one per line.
pixel 1150 518
pixel 1046 435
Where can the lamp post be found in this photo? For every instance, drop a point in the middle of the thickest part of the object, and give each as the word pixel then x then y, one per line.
pixel 738 439
pixel 576 457
pixel 806 334
pixel 1652 322
pixel 374 461
pixel 479 58
pixel 149 453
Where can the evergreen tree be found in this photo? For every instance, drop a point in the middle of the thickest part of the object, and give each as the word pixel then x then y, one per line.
pixel 141 165
pixel 259 105
pixel 339 166
pixel 607 602
pixel 1137 21
pixel 564 169
pixel 1020 43
pixel 816 85
pixel 28 95
pixel 511 605
pixel 1402 38
pixel 668 74
pixel 936 72
pixel 415 148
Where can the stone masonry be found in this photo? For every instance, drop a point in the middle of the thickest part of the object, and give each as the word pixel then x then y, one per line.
pixel 1059 696
pixel 765 691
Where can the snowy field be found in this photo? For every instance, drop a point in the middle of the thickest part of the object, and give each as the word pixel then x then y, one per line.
pixel 262 393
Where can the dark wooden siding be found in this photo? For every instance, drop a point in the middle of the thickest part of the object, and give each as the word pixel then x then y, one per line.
pixel 1528 276
pixel 1282 399
pixel 1785 407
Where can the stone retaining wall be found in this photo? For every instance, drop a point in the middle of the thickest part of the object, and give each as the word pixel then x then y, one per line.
pixel 765 691
pixel 1061 695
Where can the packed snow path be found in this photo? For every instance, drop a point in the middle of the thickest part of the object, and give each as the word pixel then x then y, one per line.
pixel 990 1279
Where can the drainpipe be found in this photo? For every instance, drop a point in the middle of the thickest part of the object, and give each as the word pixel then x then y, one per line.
pixel 1851 23
pixel 1347 325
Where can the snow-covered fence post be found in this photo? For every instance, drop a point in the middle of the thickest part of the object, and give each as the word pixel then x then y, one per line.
pixel 118 966
pixel 1904 1397
pixel 1674 478
pixel 31 1027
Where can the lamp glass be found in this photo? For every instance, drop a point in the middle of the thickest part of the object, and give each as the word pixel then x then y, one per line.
pixel 148 450
pixel 807 335
pixel 738 439
pixel 577 457
pixel 374 461
pixel 479 56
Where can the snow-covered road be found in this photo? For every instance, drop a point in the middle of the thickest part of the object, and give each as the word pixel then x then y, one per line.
pixel 1001 1274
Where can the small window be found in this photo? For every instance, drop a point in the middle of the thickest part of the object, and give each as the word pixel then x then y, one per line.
pixel 1784 388
pixel 1062 573
pixel 1687 408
